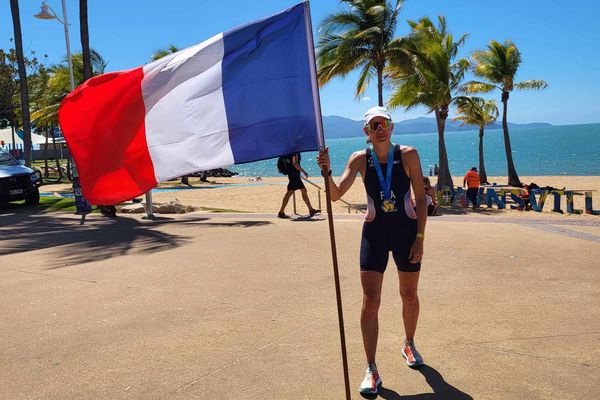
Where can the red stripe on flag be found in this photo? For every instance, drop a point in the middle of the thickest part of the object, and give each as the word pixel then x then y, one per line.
pixel 103 123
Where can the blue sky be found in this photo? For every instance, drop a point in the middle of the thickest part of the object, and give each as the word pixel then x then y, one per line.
pixel 559 43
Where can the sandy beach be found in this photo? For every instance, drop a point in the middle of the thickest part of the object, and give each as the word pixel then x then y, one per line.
pixel 245 195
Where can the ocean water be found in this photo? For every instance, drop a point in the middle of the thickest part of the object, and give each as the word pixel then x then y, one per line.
pixel 555 150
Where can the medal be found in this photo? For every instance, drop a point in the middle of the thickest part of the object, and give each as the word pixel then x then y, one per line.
pixel 387 205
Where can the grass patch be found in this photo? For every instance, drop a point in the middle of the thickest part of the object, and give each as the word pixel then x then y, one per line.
pixel 49 204
pixel 56 204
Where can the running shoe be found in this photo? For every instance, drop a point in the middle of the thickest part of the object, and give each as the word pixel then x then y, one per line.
pixel 313 212
pixel 413 358
pixel 372 381
pixel 282 215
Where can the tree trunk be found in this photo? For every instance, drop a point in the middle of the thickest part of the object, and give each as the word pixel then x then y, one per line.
pixel 513 178
pixel 14 8
pixel 444 177
pixel 482 174
pixel 380 86
pixel 46 155
pixel 85 39
pixel 56 156
pixel 69 170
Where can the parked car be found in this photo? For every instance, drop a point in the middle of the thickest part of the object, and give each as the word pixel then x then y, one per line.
pixel 17 182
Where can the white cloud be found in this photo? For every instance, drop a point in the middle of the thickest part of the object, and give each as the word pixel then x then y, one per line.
pixel 365 98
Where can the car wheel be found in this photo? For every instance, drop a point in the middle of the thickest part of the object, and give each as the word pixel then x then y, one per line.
pixel 33 197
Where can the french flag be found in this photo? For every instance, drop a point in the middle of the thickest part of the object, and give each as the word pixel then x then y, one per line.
pixel 244 95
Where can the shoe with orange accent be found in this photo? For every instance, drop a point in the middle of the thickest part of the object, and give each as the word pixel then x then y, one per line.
pixel 372 381
pixel 413 358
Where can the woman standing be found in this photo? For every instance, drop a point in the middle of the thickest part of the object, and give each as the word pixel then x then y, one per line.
pixel 391 224
pixel 430 197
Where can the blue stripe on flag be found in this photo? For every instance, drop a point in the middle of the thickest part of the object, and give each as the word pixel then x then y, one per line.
pixel 267 88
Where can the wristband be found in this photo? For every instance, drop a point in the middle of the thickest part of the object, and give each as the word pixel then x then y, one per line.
pixel 420 236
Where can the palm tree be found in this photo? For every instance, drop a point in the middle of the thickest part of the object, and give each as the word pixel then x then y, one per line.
pixel 85 40
pixel 430 78
pixel 46 111
pixel 480 112
pixel 498 65
pixel 160 53
pixel 14 8
pixel 358 37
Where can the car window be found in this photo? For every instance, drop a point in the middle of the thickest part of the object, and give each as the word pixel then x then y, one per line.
pixel 7 160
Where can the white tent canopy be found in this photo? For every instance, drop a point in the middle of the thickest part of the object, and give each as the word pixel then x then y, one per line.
pixel 6 136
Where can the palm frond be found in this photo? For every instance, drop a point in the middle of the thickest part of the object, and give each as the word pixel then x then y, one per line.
pixel 476 111
pixel 356 36
pixel 422 70
pixel 339 22
pixel 367 73
pixel 478 87
pixel 99 63
pixel 160 53
pixel 533 84
pixel 46 116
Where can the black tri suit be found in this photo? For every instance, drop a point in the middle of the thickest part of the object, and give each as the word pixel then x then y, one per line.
pixel 393 231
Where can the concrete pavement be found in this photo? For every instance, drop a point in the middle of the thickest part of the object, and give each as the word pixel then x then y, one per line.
pixel 243 307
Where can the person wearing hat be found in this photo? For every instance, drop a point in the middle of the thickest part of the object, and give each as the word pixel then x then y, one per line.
pixel 391 225
pixel 472 180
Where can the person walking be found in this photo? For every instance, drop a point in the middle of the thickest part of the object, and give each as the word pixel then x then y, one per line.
pixel 391 224
pixel 293 168
pixel 472 181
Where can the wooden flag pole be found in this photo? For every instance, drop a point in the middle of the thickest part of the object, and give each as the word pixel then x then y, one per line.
pixel 336 277
pixel 325 174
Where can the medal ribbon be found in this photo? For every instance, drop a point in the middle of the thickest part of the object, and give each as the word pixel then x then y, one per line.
pixel 385 184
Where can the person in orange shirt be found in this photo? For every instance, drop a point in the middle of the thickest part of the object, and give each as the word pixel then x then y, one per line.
pixel 471 179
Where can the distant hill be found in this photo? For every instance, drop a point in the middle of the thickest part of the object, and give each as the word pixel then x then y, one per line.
pixel 340 127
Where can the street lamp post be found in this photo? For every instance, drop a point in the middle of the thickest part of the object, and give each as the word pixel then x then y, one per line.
pixel 48 13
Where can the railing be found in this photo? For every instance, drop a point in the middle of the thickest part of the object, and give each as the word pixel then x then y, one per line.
pixel 319 189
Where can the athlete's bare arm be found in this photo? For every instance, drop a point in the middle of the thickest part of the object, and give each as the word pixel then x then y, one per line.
pixel 356 160
pixel 413 166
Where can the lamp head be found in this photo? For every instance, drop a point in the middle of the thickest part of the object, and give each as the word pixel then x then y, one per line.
pixel 44 13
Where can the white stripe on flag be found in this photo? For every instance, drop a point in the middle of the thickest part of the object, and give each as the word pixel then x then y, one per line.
pixel 186 122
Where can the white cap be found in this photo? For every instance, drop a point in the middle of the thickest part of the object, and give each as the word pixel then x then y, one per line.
pixel 377 112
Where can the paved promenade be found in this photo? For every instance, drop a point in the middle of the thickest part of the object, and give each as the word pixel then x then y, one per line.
pixel 239 306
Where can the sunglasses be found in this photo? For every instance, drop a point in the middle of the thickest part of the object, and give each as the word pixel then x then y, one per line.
pixel 375 125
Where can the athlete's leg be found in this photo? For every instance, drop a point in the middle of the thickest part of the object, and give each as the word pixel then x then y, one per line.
pixel 410 301
pixel 371 283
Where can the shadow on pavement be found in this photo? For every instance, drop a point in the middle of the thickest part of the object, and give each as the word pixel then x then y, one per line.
pixel 306 218
pixel 442 390
pixel 72 243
